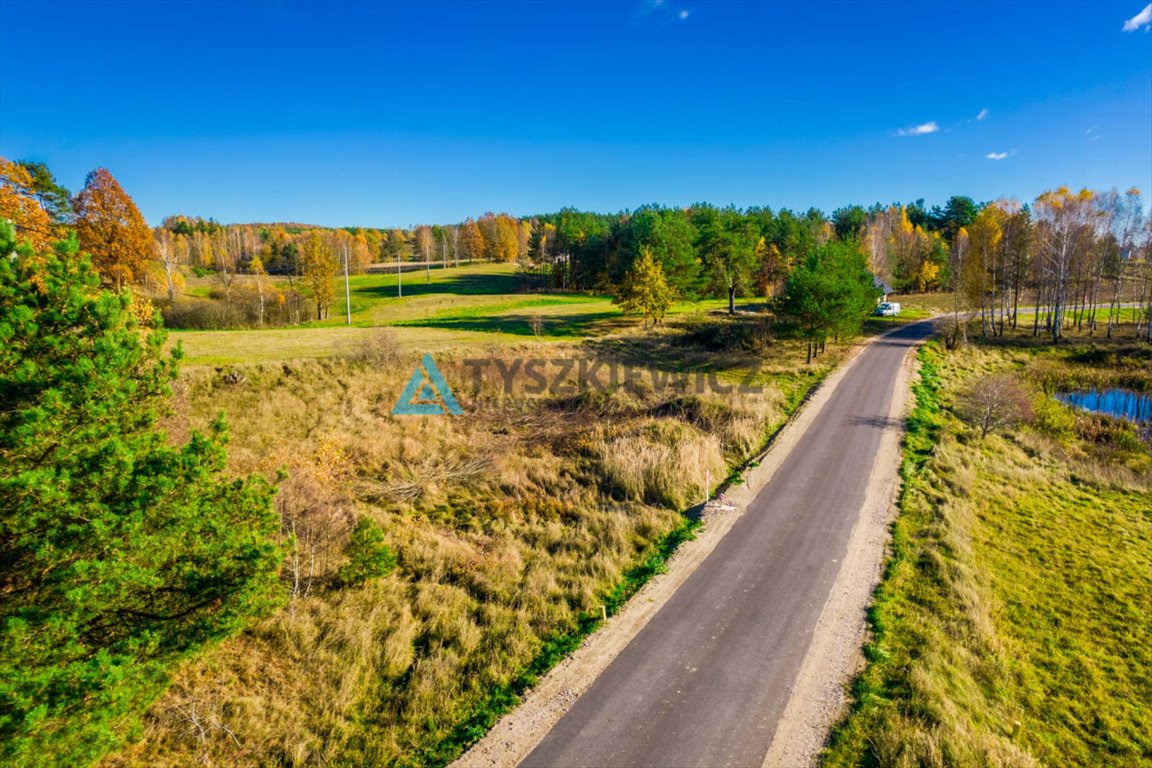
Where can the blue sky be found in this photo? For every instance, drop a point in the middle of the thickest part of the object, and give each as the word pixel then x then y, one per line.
pixel 391 114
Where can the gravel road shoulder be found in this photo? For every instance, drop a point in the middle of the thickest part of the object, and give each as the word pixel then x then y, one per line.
pixel 819 695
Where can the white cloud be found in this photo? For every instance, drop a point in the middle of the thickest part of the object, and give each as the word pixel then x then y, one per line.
pixel 997 155
pixel 1142 19
pixel 983 114
pixel 919 130
pixel 661 9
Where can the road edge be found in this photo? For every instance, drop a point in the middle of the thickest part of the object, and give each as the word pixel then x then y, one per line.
pixel 819 695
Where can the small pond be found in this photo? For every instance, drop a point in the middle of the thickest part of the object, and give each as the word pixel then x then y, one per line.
pixel 1124 403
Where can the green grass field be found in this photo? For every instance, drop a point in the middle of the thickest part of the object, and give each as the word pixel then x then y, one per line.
pixel 466 306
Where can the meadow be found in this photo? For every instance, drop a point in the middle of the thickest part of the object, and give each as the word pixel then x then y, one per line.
pixel 476 304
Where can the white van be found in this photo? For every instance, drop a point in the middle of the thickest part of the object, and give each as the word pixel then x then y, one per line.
pixel 888 309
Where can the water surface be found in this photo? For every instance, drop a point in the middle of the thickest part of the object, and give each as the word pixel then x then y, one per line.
pixel 1123 403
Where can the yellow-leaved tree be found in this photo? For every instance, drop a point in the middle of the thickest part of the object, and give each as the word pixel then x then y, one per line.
pixel 645 289
pixel 471 240
pixel 319 265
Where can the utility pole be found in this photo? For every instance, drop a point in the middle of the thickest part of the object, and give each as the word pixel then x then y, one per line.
pixel 347 290
pixel 399 279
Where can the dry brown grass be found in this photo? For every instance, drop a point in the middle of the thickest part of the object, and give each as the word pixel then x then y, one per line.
pixel 660 463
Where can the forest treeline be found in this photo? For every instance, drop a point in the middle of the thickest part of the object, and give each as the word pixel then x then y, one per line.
pixel 1081 256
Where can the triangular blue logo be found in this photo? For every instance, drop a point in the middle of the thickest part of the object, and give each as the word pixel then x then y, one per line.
pixel 427 394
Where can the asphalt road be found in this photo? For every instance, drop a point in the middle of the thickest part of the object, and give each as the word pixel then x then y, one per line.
pixel 705 682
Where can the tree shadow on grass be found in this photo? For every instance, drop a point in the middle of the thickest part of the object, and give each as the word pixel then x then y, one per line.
pixel 572 326
pixel 414 284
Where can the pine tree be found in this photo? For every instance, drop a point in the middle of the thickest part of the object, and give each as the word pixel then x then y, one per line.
pixel 20 204
pixel 119 553
pixel 368 555
pixel 728 243
pixel 53 197
pixel 829 293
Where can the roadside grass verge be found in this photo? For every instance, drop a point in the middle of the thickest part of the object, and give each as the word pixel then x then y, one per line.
pixel 1011 624
pixel 555 649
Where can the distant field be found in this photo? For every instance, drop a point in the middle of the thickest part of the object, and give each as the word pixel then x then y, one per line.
pixel 926 303
pixel 279 344
pixel 478 304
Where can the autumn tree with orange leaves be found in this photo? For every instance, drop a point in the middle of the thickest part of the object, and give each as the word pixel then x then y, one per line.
pixel 18 204
pixel 112 230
